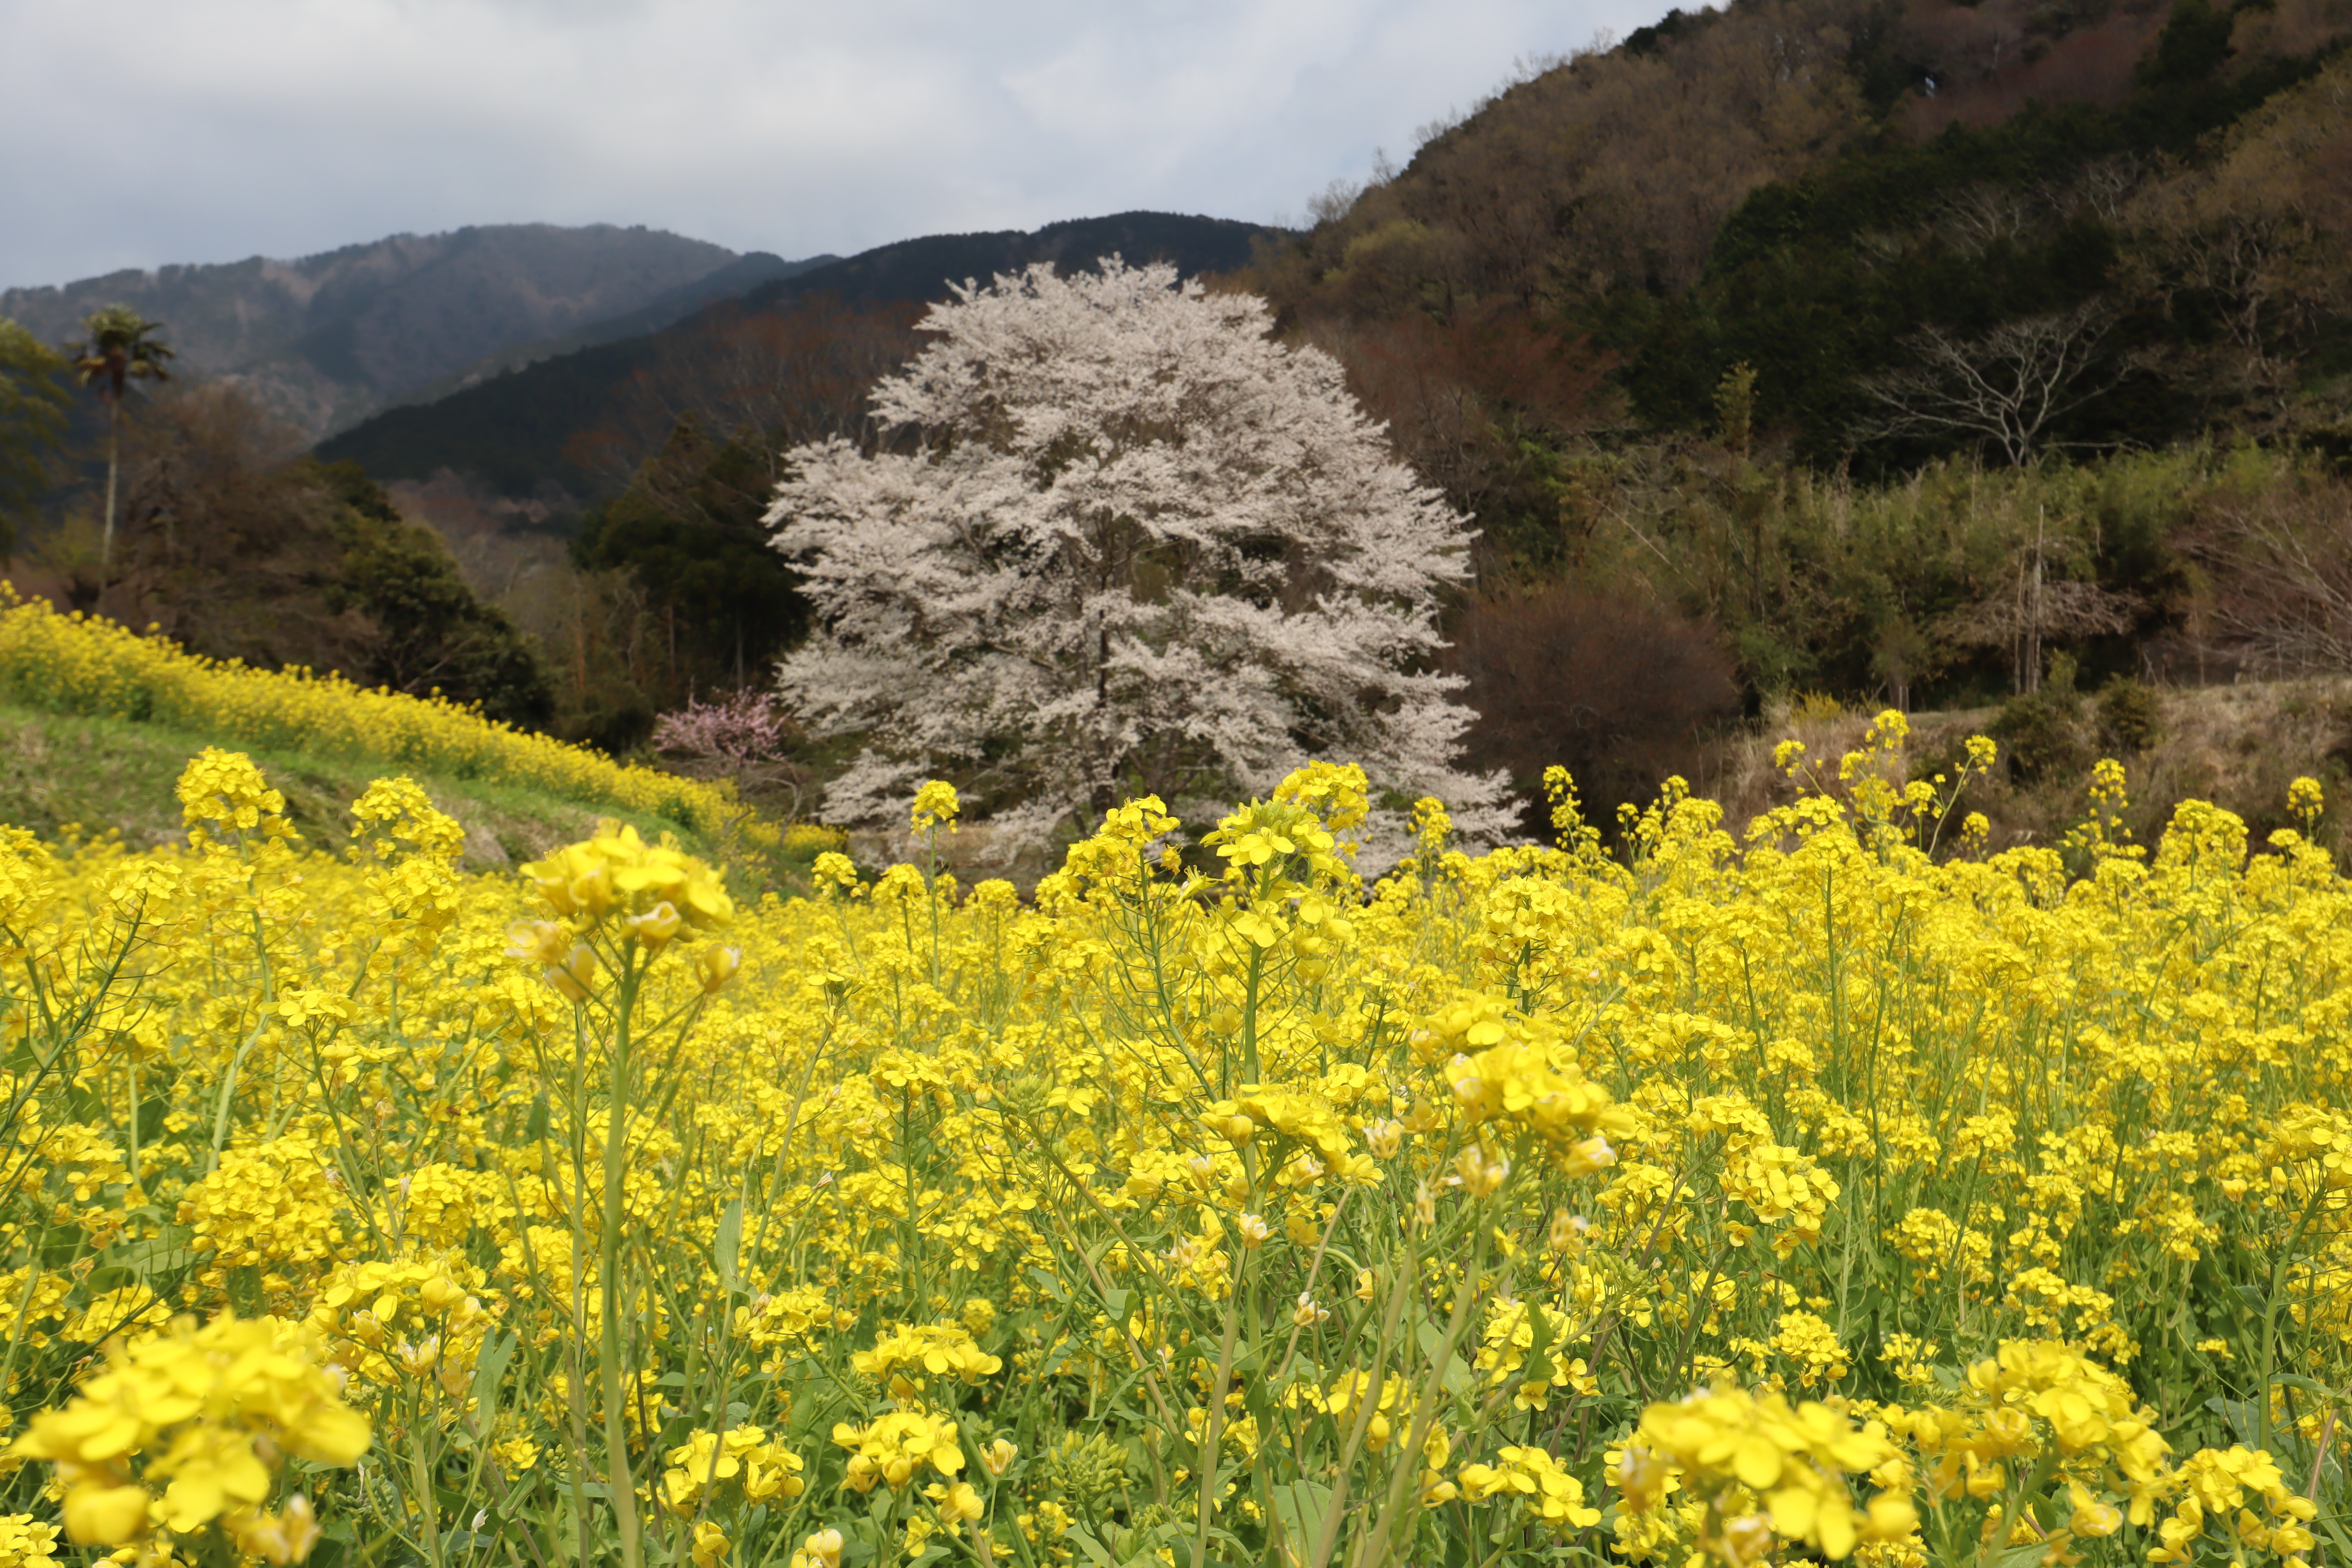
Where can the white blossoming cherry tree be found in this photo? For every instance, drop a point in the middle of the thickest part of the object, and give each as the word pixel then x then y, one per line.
pixel 1117 541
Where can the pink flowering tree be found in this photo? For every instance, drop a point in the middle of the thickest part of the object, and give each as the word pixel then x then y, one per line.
pixel 1117 541
pixel 742 735
pixel 737 727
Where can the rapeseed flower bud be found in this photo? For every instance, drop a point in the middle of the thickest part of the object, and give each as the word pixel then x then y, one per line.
pixel 537 941
pixel 575 975
pixel 715 965
pixel 652 929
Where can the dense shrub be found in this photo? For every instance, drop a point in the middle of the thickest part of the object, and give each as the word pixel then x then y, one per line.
pixel 2128 714
pixel 1620 693
pixel 2041 733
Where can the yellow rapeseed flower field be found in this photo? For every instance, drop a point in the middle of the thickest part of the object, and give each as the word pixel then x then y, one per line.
pixel 88 666
pixel 1784 1195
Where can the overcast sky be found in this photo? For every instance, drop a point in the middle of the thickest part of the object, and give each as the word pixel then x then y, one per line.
pixel 144 131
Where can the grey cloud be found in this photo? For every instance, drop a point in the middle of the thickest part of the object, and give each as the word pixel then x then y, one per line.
pixel 287 127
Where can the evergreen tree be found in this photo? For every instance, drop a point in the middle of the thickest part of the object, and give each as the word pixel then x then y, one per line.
pixel 121 348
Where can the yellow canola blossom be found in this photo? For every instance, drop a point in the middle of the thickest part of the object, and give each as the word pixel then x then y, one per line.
pixel 1789 1460
pixel 1215 1198
pixel 742 1459
pixel 207 1412
pixel 897 1448
pixel 85 665
pixel 1534 1478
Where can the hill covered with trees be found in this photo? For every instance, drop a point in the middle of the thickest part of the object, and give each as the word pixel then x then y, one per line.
pixel 1884 353
pixel 514 433
pixel 324 341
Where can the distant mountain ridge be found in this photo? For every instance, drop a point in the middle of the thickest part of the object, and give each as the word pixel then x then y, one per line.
pixel 325 341
pixel 510 431
pixel 738 278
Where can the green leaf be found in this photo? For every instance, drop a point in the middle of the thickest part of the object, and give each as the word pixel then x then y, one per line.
pixel 490 1370
pixel 1092 1549
pixel 726 1251
pixel 1115 1303
pixel 1300 1507
pixel 2245 1420
pixel 1148 1545
pixel 2024 1556
pixel 244 1291
pixel 1050 1285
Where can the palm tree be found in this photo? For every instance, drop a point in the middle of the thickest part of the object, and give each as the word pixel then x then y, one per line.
pixel 121 348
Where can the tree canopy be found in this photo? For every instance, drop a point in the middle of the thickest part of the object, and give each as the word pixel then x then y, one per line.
pixel 32 418
pixel 1124 543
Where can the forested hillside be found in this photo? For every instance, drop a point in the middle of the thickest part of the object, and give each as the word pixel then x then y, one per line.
pixel 1890 354
pixel 329 338
pixel 1850 198
pixel 512 432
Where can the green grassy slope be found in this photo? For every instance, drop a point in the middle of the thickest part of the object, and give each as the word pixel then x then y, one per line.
pixel 78 778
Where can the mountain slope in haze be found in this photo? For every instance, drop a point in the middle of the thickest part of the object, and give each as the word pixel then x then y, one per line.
pixel 738 278
pixel 327 340
pixel 510 432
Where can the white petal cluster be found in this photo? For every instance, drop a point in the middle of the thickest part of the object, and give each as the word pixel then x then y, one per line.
pixel 1116 539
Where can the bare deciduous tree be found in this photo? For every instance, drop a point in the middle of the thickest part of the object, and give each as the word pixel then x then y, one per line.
pixel 2283 572
pixel 2005 389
